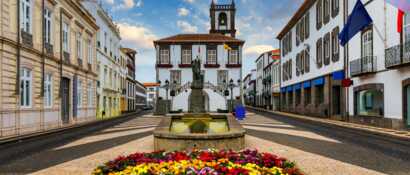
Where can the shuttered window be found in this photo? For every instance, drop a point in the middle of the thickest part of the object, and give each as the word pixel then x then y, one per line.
pixel 319 53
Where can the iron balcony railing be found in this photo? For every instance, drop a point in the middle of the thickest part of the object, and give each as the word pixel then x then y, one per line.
pixel 394 56
pixel 364 65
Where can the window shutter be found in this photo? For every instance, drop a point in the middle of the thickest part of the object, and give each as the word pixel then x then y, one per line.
pixel 297 64
pixel 335 45
pixel 307 61
pixel 335 8
pixel 327 49
pixel 319 14
pixel 307 25
pixel 319 53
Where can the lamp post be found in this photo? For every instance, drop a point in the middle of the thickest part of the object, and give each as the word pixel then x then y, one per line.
pixel 232 85
pixel 166 86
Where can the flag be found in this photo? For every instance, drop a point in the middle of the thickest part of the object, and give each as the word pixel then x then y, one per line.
pixel 400 17
pixel 358 19
pixel 276 54
pixel 403 5
pixel 226 47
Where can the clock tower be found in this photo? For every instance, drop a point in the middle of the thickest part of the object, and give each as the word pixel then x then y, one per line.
pixel 223 18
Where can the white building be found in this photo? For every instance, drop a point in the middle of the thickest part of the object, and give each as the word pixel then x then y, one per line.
pixel 312 63
pixel 221 59
pixel 378 65
pixel 108 61
pixel 249 86
pixel 267 82
pixel 375 59
pixel 151 93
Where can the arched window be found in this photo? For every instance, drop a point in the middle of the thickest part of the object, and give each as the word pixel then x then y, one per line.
pixel 222 19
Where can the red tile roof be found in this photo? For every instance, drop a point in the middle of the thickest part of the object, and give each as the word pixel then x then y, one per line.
pixel 194 38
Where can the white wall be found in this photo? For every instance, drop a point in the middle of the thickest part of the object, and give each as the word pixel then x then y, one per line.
pixel 384 36
pixel 314 35
pixel 181 101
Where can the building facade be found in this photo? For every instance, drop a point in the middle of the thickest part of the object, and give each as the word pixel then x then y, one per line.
pixel 312 63
pixel 108 61
pixel 151 94
pixel 378 66
pixel 48 74
pixel 130 82
pixel 221 62
pixel 249 86
pixel 140 96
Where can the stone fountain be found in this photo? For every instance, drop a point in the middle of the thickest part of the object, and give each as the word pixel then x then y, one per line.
pixel 198 128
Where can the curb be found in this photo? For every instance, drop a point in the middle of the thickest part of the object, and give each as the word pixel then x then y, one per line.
pixel 11 139
pixel 390 133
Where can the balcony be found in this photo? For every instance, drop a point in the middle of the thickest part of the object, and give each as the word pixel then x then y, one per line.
pixel 184 65
pixel 211 65
pixel 233 65
pixel 49 48
pixel 80 62
pixel 395 58
pixel 27 38
pixel 164 66
pixel 66 57
pixel 363 66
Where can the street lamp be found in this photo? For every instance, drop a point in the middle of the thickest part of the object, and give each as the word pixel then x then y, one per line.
pixel 232 85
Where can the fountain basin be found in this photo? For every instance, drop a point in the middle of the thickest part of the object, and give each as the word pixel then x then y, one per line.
pixel 200 131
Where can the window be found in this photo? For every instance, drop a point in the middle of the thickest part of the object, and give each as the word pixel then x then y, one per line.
pixel 335 8
pixel 186 55
pixel 176 77
pixel 79 46
pixel 105 42
pixel 326 11
pixel 222 76
pixel 66 37
pixel 233 56
pixel 319 53
pixel 79 93
pixel 298 65
pixel 164 56
pixel 307 26
pixel 47 26
pixel 367 43
pixel 319 13
pixel 307 61
pixel 25 87
pixel 90 93
pixel 48 90
pixel 290 99
pixel 211 55
pixel 307 96
pixel 319 94
pixel 25 15
pixel 406 32
pixel 369 102
pixel 335 44
pixel 90 51
pixel 326 48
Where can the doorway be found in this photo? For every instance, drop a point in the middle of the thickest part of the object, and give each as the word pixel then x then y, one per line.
pixel 65 100
pixel 336 97
pixel 407 105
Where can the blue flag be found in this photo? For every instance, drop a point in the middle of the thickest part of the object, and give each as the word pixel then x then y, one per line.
pixel 358 20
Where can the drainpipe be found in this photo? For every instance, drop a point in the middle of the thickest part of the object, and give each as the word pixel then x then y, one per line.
pixel 42 50
pixel 346 62
pixel 17 88
pixel 61 54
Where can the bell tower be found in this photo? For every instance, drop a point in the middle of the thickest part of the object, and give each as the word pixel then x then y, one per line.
pixel 223 18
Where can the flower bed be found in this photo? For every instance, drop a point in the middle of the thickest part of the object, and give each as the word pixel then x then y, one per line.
pixel 197 162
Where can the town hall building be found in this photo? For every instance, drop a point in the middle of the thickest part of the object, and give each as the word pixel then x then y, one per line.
pixel 220 54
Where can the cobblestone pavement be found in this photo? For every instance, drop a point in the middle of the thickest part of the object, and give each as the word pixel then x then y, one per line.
pixel 316 151
pixel 319 151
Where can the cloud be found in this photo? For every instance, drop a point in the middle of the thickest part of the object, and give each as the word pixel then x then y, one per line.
pixel 136 36
pixel 183 12
pixel 189 1
pixel 186 27
pixel 139 3
pixel 110 1
pixel 258 49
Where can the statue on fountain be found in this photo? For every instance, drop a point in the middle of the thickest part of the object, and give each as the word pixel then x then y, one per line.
pixel 197 98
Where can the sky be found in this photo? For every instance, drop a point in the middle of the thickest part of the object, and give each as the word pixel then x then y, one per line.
pixel 143 21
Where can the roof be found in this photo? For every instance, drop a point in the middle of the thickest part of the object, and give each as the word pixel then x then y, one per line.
pixel 150 84
pixel 195 38
pixel 274 52
pixel 128 50
pixel 295 18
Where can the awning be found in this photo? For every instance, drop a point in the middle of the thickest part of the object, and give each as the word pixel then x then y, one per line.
pixel 339 75
pixel 306 84
pixel 289 88
pixel 283 90
pixel 319 81
pixel 297 86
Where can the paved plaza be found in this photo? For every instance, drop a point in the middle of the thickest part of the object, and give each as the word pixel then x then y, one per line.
pixel 314 151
